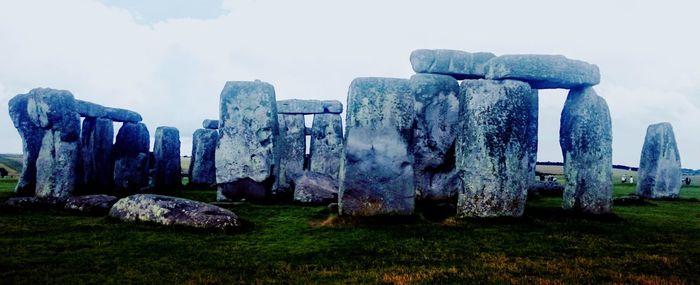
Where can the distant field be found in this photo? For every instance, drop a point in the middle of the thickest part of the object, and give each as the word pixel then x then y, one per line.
pixel 558 171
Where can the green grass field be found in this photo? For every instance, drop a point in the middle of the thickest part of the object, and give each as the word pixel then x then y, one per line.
pixel 654 244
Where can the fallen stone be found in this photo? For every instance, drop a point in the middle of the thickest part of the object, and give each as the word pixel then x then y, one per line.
pixel 544 71
pixel 585 136
pixel 545 188
pixel 166 150
pixel 376 176
pixel 455 63
pixel 131 153
pixel 292 150
pixel 632 200
pixel 171 211
pixel 32 136
pixel 89 109
pixel 34 203
pixel 97 166
pixel 437 113
pixel 91 204
pixel 660 164
pixel 307 107
pixel 315 188
pixel 326 144
pixel 202 171
pixel 492 152
pixel 210 124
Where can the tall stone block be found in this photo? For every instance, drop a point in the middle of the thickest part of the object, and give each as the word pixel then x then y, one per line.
pixel 660 164
pixel 376 172
pixel 202 171
pixel 32 136
pixel 166 151
pixel 97 171
pixel 292 150
pixel 131 158
pixel 437 113
pixel 247 157
pixel 585 137
pixel 326 144
pixel 493 147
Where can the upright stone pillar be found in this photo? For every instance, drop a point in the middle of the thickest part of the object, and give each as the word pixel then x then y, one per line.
pixel 202 171
pixel 376 172
pixel 292 150
pixel 31 135
pixel 131 158
pixel 585 137
pixel 326 144
pixel 247 158
pixel 97 171
pixel 493 147
pixel 166 151
pixel 660 164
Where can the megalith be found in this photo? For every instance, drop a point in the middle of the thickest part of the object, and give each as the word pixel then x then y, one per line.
pixel 32 136
pixel 585 136
pixel 247 158
pixel 660 164
pixel 202 171
pixel 131 153
pixel 543 71
pixel 376 172
pixel 493 147
pixel 97 166
pixel 455 63
pixel 326 144
pixel 210 124
pixel 166 151
pixel 434 136
pixel 292 150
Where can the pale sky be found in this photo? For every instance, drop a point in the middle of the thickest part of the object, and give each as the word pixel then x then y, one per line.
pixel 169 59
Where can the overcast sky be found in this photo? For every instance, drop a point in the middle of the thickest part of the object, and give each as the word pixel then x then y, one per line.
pixel 169 59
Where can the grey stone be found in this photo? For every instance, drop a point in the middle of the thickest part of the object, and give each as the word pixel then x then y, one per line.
pixel 131 158
pixel 307 107
pixel 91 204
pixel 307 131
pixel 326 144
pixel 97 166
pixel 92 110
pixel 292 150
pixel 376 169
pixel 585 136
pixel 34 203
pixel 544 71
pixel 315 188
pixel 247 157
pixel 210 124
pixel 166 151
pixel 171 211
pixel 660 164
pixel 458 64
pixel 31 135
pixel 202 170
pixel 437 114
pixel 493 147
pixel 545 188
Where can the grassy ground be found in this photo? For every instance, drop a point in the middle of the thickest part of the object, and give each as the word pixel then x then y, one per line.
pixel 656 243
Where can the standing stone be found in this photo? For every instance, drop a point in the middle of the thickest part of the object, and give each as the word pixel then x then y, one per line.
pixel 493 147
pixel 31 144
pixel 166 150
pixel 210 124
pixel 458 64
pixel 57 162
pixel 292 150
pixel 437 114
pixel 585 137
pixel 376 169
pixel 202 171
pixel 131 158
pixel 532 136
pixel 97 171
pixel 326 144
pixel 660 164
pixel 544 71
pixel 247 158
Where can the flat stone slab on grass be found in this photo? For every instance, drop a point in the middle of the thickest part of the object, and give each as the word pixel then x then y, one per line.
pixel 544 71
pixel 458 64
pixel 172 211
pixel 91 204
pixel 308 107
pixel 34 203
pixel 315 188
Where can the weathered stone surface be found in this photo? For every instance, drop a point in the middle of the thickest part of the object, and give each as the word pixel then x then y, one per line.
pixel 297 106
pixel 97 166
pixel 492 152
pixel 247 149
pixel 166 151
pixel 326 144
pixel 171 211
pixel 434 136
pixel 292 150
pixel 91 204
pixel 315 188
pixel 210 124
pixel 585 136
pixel 545 188
pixel 89 109
pixel 202 171
pixel 376 172
pixel 40 203
pixel 31 135
pixel 458 64
pixel 660 164
pixel 544 71
pixel 131 158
